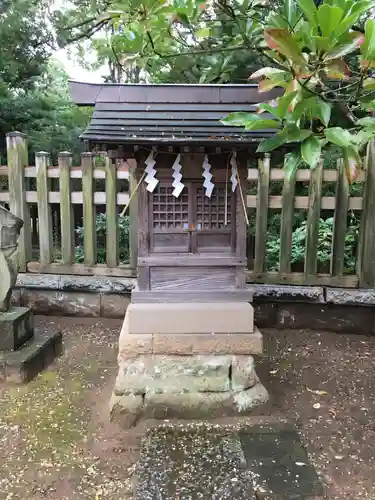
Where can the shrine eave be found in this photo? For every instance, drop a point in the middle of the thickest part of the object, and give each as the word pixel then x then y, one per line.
pixel 168 114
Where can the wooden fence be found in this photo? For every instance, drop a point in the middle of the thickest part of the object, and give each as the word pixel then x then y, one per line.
pixel 37 193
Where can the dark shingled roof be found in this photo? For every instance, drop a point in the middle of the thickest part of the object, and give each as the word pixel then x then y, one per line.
pixel 140 113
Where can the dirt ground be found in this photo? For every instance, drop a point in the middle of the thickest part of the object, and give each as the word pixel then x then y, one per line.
pixel 56 442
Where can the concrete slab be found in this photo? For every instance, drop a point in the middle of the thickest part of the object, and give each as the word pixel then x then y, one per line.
pixel 203 461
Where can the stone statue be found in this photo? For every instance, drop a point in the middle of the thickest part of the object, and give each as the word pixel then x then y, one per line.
pixel 10 228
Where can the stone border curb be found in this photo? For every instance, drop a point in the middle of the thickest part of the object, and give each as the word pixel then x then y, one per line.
pixel 280 306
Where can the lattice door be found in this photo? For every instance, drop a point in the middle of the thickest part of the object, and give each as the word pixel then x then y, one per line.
pixel 170 220
pixel 214 219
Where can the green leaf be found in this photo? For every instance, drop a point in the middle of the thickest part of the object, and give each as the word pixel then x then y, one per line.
pixel 321 110
pixel 352 162
pixel 367 121
pixel 311 150
pixel 369 84
pixel 337 69
pixel 329 18
pixel 284 102
pixel 281 41
pixel 238 118
pixel 290 11
pixel 338 136
pixel 272 143
pixel 251 121
pixel 368 47
pixel 354 40
pixel 291 162
pixel 309 9
pixel 261 124
pixel 203 32
pixel 268 72
pixel 351 16
pixel 296 134
pixel 265 106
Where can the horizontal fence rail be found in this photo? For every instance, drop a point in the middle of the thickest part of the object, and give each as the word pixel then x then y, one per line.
pixel 310 228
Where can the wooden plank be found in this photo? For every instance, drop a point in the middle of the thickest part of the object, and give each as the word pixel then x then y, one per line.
pixel 262 215
pixel 162 296
pixel 302 175
pixel 133 210
pixel 80 269
pixel 142 217
pixel 66 209
pixel 112 246
pixel 367 277
pixel 44 209
pixel 340 222
pixel 275 278
pixel 17 160
pixel 302 202
pixel 313 217
pixel 286 229
pixel 89 211
pixel 241 225
pixel 191 260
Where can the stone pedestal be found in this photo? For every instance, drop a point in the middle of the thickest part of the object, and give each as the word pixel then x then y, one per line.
pixel 25 352
pixel 187 360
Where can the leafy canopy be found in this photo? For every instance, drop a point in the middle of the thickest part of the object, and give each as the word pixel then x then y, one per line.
pixel 320 61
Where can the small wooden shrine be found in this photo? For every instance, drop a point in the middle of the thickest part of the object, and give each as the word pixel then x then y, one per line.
pixel 191 173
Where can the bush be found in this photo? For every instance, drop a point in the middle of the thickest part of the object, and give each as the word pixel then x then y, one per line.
pixel 324 245
pixel 101 231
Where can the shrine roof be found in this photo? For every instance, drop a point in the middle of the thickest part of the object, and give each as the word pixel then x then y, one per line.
pixel 168 113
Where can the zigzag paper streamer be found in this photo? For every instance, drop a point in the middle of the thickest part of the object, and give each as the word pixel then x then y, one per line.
pixel 177 176
pixel 150 179
pixel 207 184
pixel 234 176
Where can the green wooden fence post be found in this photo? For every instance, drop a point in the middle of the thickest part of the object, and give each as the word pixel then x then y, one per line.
pixel 313 217
pixel 66 209
pixel 340 221
pixel 89 211
pixel 261 215
pixel 17 161
pixel 112 243
pixel 367 277
pixel 44 209
pixel 287 213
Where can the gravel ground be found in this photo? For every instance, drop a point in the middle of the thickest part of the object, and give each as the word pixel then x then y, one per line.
pixel 56 441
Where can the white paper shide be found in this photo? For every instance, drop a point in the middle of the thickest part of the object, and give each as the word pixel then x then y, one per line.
pixel 207 184
pixel 234 175
pixel 150 179
pixel 177 176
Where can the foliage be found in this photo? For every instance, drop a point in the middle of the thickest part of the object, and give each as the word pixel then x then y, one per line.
pixel 25 40
pixel 324 244
pixel 321 56
pixel 156 40
pixel 101 228
pixel 46 114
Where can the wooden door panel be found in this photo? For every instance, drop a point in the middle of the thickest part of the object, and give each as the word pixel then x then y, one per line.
pixel 170 220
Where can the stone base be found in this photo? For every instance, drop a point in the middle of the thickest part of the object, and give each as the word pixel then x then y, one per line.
pixel 37 354
pixel 187 361
pixel 129 409
pixel 191 318
pixel 16 328
pixel 195 386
